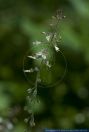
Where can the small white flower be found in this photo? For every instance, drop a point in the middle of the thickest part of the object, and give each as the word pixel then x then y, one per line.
pixel 53 17
pixel 36 43
pixel 48 37
pixel 44 33
pixel 36 69
pixel 26 120
pixel 41 55
pixel 55 36
pixel 32 57
pixel 31 70
pixel 44 57
pixel 47 63
pixel 29 90
pixel 56 48
pixel 64 16
pixel 38 55
pixel 51 24
pixel 60 37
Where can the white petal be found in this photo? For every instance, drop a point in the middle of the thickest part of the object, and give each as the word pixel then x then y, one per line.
pixel 39 54
pixel 56 48
pixel 44 33
pixel 44 57
pixel 51 24
pixel 32 57
pixel 47 63
pixel 36 42
pixel 31 70
pixel 48 38
pixel 29 90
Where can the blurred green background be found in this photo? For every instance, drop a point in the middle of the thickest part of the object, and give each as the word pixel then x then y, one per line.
pixel 21 23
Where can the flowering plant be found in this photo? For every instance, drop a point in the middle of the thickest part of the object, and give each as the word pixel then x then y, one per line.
pixel 43 59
